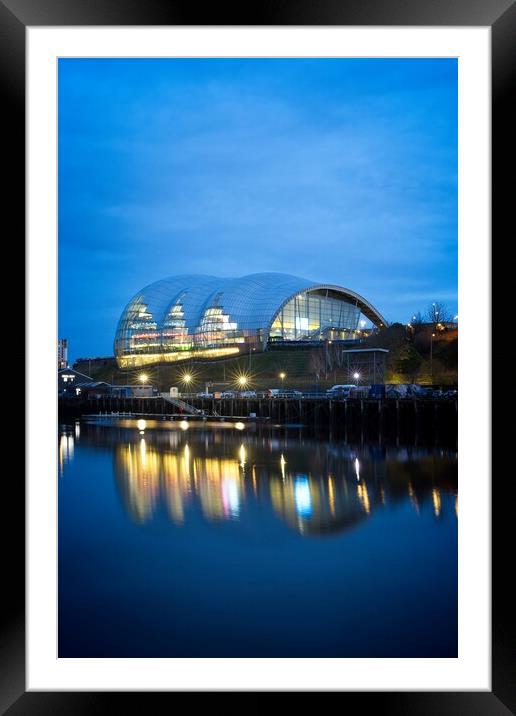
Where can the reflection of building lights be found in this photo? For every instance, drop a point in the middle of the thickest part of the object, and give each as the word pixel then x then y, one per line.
pixel 331 495
pixel 187 461
pixel 363 496
pixel 243 456
pixel 142 424
pixel 311 504
pixel 357 468
pixel 302 497
pixel 457 505
pixel 239 426
pixel 77 429
pixel 183 425
pixel 230 497
pixel 66 447
pixel 413 497
pixel 283 462
pixel 436 499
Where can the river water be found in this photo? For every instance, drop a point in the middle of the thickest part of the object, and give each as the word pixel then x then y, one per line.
pixel 229 540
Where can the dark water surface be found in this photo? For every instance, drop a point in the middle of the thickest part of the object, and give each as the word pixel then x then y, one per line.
pixel 221 541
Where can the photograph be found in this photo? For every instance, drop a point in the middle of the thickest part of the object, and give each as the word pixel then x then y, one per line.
pixel 257 357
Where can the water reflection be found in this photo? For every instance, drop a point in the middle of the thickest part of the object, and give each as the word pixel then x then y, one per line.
pixel 66 448
pixel 315 487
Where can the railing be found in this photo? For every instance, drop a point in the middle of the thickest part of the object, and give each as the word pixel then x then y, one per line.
pixel 185 407
pixel 391 395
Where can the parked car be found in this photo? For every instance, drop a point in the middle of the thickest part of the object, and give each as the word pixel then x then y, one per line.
pixel 450 394
pixel 377 391
pixel 340 391
pixel 272 392
pixel 289 394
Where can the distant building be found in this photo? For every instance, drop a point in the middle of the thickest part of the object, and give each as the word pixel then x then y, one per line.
pixel 74 384
pixel 68 381
pixel 183 317
pixel 62 353
pixel 93 389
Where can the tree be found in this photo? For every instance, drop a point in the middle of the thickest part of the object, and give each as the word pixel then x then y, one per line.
pixel 317 363
pixel 390 337
pixel 407 361
pixel 438 313
pixel 417 319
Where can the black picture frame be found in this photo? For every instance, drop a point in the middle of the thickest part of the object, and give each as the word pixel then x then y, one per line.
pixel 500 15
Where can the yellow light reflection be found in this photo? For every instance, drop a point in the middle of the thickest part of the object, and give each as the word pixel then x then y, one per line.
pixel 243 456
pixel 184 425
pixel 363 496
pixel 283 462
pixel 187 460
pixel 239 426
pixel 142 424
pixel 331 495
pixel 220 487
pixel 143 451
pixel 413 498
pixel 436 499
pixel 66 448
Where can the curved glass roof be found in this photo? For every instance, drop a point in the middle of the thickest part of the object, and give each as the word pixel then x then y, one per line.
pixel 178 306
pixel 251 300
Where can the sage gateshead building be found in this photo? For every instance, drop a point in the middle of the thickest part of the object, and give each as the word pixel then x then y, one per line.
pixel 184 317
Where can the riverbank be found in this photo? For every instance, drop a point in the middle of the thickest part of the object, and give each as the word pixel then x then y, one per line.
pixel 408 419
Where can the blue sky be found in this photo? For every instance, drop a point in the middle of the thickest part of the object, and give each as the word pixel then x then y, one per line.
pixel 338 170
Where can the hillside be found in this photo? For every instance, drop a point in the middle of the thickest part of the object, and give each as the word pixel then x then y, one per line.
pixel 408 361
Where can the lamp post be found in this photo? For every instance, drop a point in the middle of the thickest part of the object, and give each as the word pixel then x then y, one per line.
pixel 356 376
pixel 432 336
pixel 282 377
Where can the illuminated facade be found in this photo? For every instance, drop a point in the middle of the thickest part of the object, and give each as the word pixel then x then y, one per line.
pixel 203 316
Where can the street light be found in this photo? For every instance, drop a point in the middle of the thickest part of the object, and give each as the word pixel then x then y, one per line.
pixel 242 381
pixel 282 376
pixel 356 376
pixel 144 377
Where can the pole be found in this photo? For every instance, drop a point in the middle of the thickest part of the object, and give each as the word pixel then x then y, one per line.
pixel 431 359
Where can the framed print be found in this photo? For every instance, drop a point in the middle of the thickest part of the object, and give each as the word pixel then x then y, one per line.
pixel 268 464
